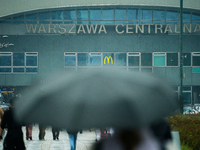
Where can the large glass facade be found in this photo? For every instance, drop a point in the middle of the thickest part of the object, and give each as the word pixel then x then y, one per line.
pixel 18 62
pixel 108 16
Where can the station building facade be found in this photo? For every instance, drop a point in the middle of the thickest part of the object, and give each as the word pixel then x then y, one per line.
pixel 141 37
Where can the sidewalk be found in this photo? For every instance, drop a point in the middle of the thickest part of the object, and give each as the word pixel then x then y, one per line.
pixel 84 140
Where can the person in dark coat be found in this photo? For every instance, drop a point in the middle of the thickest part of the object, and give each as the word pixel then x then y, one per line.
pixel 55 133
pixel 14 137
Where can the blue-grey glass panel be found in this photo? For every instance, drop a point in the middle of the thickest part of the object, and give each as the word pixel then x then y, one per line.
pixel 145 14
pixel 5 22
pixel 172 59
pixel 195 22
pixel 186 59
pixel 19 17
pixel 95 53
pixel 186 15
pixel 95 14
pixel 5 69
pixel 107 14
pixel 5 60
pixel 31 16
pixel 18 70
pixel 108 59
pixel 57 22
pixel 195 69
pixel 107 22
pixel 29 70
pixel 29 53
pixel 120 22
pixel 187 98
pixel 120 59
pixel 18 22
pixel 82 22
pixel 186 21
pixel 31 22
pixel 196 61
pixel 95 60
pixel 146 59
pixel 44 22
pixel 31 60
pixel 70 53
pixel 44 16
pixel 133 22
pixel 185 88
pixel 70 22
pixel 18 59
pixel 57 15
pixel 196 53
pixel 195 15
pixel 159 60
pixel 171 15
pixel 144 22
pixel 82 59
pixel 95 22
pixel 158 15
pixel 120 14
pixel 134 53
pixel 133 60
pixel 70 60
pixel 70 15
pixel 82 14
pixel 159 22
pixel 171 22
pixel 133 14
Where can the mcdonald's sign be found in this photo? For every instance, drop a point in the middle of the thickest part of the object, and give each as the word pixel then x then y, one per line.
pixel 108 60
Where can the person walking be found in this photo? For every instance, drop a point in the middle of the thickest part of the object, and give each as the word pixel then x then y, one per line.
pixel 29 132
pixel 42 132
pixel 72 139
pixel 55 133
pixel 14 136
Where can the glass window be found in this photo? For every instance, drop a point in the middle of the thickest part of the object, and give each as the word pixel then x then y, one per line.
pixel 195 15
pixel 120 59
pixel 186 15
pixel 196 59
pixel 186 97
pixel 95 14
pixel 31 16
pixel 21 17
pixel 195 69
pixel 172 59
pixel 57 15
pixel 171 15
pixel 82 59
pixel 18 59
pixel 44 16
pixel 95 59
pixel 31 70
pixel 120 14
pixel 158 15
pixel 146 59
pixel 108 59
pixel 82 14
pixel 186 59
pixel 18 70
pixel 5 60
pixel 70 15
pixel 159 59
pixel 133 59
pixel 6 70
pixel 146 14
pixel 107 14
pixel 31 60
pixel 70 60
pixel 133 14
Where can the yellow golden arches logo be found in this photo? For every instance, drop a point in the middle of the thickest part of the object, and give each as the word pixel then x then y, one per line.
pixel 108 60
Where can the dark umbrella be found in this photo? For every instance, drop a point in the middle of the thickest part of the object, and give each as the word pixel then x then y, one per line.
pixel 97 98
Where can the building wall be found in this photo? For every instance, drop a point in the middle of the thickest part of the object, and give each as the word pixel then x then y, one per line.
pixel 51 50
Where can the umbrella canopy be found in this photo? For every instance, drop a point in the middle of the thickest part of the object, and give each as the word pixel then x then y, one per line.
pixel 97 98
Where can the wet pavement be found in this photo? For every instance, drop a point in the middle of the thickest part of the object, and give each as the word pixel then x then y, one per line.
pixel 84 140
